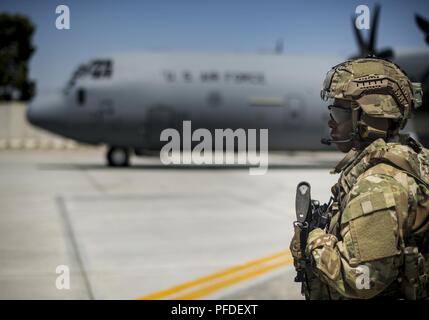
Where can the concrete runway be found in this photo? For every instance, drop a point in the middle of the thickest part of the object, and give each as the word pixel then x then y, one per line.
pixel 150 231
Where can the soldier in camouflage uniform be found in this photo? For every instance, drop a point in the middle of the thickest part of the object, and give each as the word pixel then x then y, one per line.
pixel 377 242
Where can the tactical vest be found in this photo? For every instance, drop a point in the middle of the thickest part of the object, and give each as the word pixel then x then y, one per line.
pixel 407 159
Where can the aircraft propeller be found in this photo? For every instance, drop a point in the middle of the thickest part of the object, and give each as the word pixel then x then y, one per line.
pixel 368 48
pixel 423 24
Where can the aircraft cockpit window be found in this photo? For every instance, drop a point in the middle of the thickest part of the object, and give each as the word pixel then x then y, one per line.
pixel 96 69
pixel 81 96
pixel 101 68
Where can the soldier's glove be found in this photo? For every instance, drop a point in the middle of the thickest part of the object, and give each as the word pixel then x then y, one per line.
pixel 319 238
pixel 295 247
pixel 328 259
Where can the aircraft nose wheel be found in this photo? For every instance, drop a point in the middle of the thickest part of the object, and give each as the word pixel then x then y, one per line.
pixel 118 157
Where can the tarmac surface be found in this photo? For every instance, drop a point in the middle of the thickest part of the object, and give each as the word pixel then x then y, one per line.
pixel 150 231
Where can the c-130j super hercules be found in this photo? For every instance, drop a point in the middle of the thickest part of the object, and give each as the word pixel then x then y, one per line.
pixel 125 101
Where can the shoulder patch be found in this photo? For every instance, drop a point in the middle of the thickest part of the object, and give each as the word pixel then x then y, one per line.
pixel 368 202
pixel 375 236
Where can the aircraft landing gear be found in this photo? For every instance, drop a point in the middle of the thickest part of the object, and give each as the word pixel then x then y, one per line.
pixel 118 157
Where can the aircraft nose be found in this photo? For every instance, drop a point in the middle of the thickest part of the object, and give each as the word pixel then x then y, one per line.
pixel 45 112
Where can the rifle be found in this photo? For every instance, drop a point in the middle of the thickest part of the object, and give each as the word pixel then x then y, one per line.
pixel 310 215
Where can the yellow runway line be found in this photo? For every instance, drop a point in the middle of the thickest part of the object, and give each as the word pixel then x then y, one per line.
pixel 206 282
pixel 205 291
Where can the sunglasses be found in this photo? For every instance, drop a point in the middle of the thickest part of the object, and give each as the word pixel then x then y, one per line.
pixel 339 114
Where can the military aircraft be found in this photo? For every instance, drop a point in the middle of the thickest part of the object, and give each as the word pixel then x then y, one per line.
pixel 125 101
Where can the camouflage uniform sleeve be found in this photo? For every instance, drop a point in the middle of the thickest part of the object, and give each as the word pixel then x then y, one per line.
pixel 367 259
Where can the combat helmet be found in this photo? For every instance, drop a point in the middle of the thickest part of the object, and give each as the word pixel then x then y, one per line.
pixel 377 88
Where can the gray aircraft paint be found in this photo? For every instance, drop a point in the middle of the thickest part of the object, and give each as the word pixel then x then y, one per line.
pixel 138 101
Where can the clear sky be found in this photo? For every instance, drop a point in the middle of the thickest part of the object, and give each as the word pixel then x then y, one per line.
pixel 99 28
